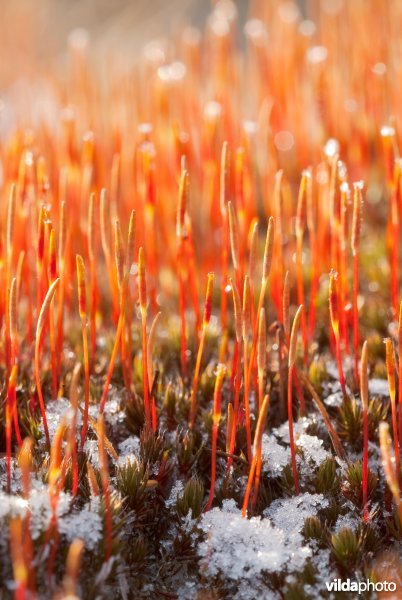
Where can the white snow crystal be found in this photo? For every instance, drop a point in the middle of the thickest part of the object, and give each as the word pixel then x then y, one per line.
pixel 177 488
pixel 129 449
pixel 312 448
pixel 39 505
pixel 289 514
pixel 85 525
pixel 378 387
pixel 349 520
pixel 241 549
pixel 56 411
pixel 12 506
pixel 275 456
pixel 299 427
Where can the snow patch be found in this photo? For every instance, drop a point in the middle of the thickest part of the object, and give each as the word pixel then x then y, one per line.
pixel 242 549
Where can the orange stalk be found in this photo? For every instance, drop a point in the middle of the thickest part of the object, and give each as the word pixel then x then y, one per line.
pixel 25 463
pixel 400 375
pixel 390 362
pixel 18 558
pixel 223 191
pixel 266 269
pixel 39 329
pixel 216 416
pixel 105 487
pixel 234 242
pixel 122 274
pixel 389 468
pixel 261 355
pixel 92 234
pixel 151 338
pixel 285 307
pixel 82 309
pixel 364 399
pixel 142 288
pixel 205 322
pixel 291 364
pixel 130 259
pixel 105 242
pixel 334 315
pixel 72 568
pixel 61 260
pixel 356 227
pixel 255 468
pixel 72 439
pixel 52 333
pixel 238 318
pixel 246 316
pixel 9 412
pixel 181 235
pixel 300 222
pixel 40 257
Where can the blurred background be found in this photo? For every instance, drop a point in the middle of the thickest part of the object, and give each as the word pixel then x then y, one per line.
pixel 36 31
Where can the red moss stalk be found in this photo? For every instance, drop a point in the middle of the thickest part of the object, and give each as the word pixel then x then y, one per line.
pixel 82 308
pixel 9 413
pixel 151 339
pixel 389 469
pixel 72 568
pixel 261 355
pixel 300 222
pixel 334 315
pixel 142 288
pixel 73 423
pixel 205 322
pixel 62 265
pixel 105 488
pixel 39 329
pixel 395 227
pixel 234 242
pixel 255 468
pixel 40 257
pixel 291 364
pixel 266 269
pixel 285 307
pixel 18 558
pixel 122 280
pixel 400 375
pixel 129 265
pixel 390 362
pixel 246 315
pixel 92 235
pixel 105 241
pixel 181 235
pixel 224 178
pixel 238 318
pixel 25 463
pixel 364 399
pixel 52 332
pixel 356 227
pixel 216 416
pixel 13 337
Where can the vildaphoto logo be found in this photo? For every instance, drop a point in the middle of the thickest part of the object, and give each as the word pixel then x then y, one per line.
pixel 348 585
